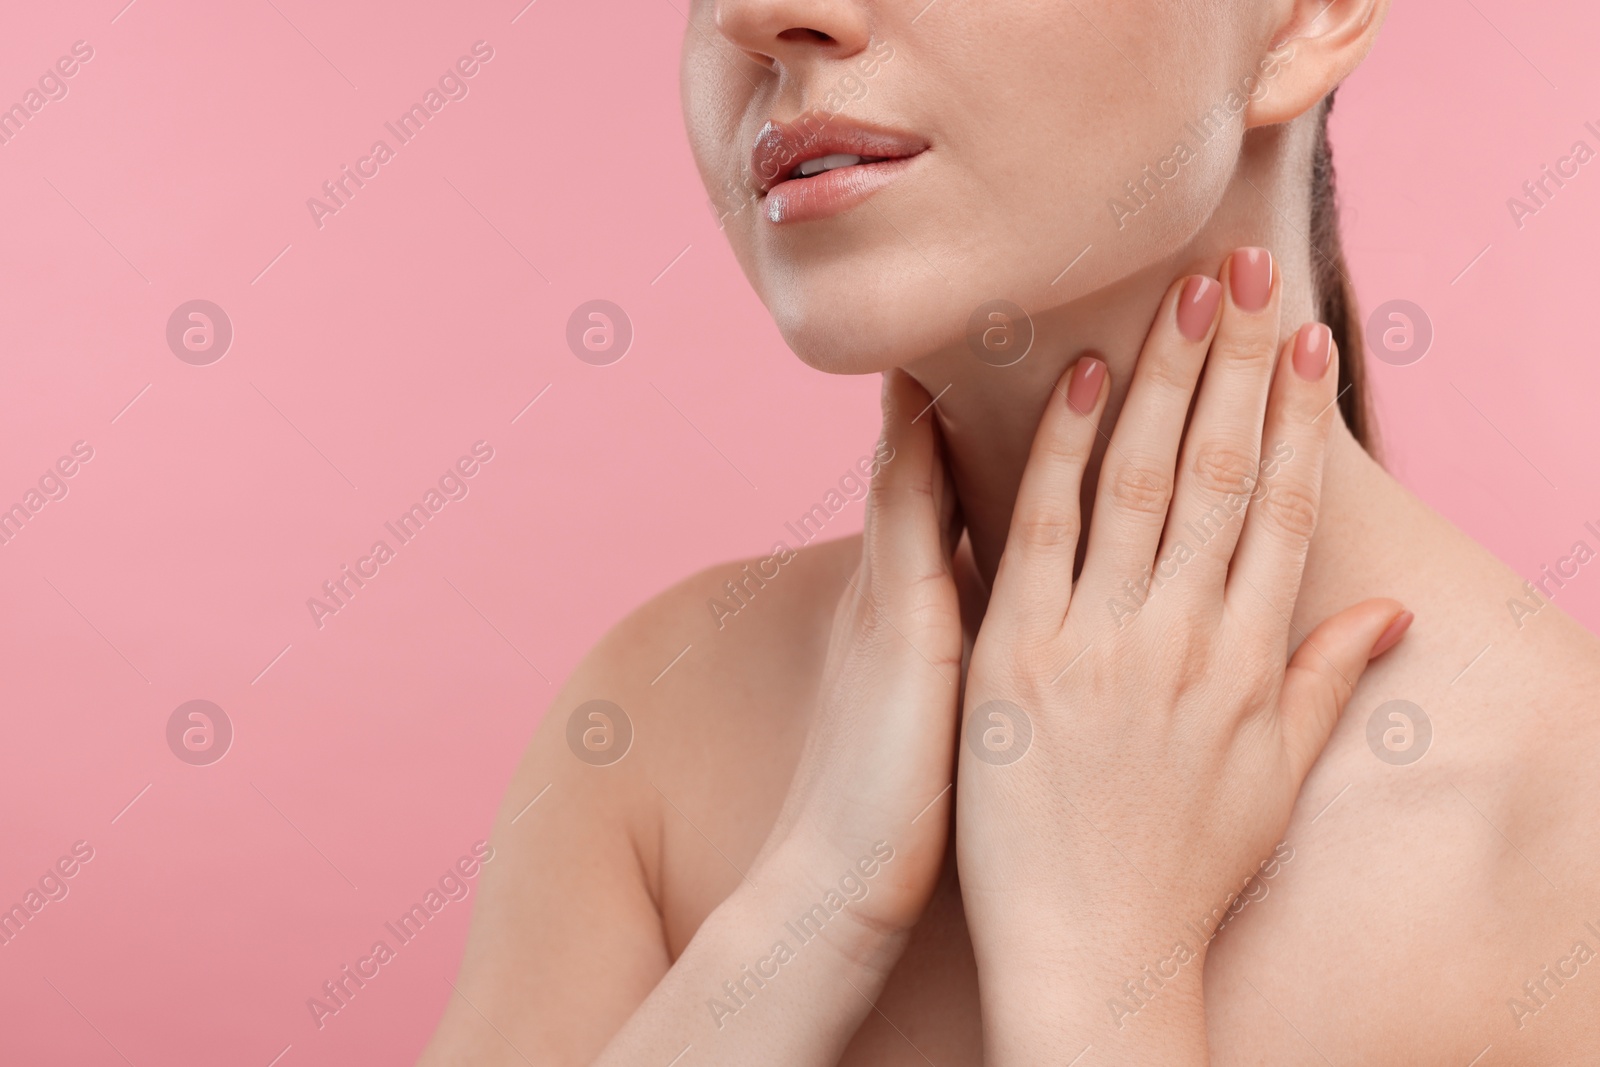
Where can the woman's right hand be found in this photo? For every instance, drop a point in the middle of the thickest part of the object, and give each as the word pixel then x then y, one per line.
pixel 872 789
pixel 787 968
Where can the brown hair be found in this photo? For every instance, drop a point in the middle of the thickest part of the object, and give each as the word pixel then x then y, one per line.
pixel 1334 294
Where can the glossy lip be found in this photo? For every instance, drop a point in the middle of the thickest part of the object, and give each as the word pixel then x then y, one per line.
pixel 831 192
pixel 781 147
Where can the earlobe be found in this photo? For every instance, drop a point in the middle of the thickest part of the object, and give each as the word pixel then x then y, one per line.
pixel 1315 49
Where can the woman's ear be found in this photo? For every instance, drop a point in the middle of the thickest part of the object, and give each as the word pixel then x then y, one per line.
pixel 1317 44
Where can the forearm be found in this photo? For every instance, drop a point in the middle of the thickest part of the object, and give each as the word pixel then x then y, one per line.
pixel 1132 995
pixel 768 979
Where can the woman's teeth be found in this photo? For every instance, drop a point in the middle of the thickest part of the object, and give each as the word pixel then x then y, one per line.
pixel 833 162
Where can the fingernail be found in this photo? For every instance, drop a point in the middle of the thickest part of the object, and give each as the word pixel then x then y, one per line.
pixel 1392 634
pixel 1312 347
pixel 1083 388
pixel 1252 278
pixel 1197 306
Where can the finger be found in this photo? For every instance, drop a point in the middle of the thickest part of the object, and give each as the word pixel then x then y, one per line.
pixel 1034 578
pixel 1325 669
pixel 1282 515
pixel 1222 446
pixel 1135 484
pixel 901 542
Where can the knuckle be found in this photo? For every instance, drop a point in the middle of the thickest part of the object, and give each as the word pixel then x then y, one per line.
pixel 1166 372
pixel 879 486
pixel 918 602
pixel 923 589
pixel 877 494
pixel 1189 649
pixel 1258 688
pixel 931 634
pixel 887 493
pixel 1244 349
pixel 1291 509
pixel 1225 467
pixel 1140 488
pixel 1065 451
pixel 1046 528
pixel 1031 646
pixel 899 578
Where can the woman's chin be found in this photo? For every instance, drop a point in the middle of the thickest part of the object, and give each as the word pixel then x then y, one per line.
pixel 839 336
pixel 834 348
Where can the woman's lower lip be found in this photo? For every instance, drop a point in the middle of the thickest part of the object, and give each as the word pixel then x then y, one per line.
pixel 831 192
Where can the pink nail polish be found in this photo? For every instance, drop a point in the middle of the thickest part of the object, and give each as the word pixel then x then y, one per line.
pixel 1083 388
pixel 1312 347
pixel 1197 306
pixel 1252 278
pixel 1392 634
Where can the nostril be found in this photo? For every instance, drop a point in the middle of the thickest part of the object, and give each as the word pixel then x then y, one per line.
pixel 804 34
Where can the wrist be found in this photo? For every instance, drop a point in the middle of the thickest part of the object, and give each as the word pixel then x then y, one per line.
pixel 1057 1024
pixel 1135 1002
pixel 766 978
pixel 1131 986
pixel 807 897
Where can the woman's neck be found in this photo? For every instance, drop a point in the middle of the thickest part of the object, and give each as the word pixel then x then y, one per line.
pixel 988 415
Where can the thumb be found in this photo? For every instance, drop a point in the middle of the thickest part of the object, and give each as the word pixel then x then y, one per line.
pixel 901 532
pixel 1325 669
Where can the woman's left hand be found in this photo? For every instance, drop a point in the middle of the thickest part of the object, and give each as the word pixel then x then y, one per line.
pixel 1134 743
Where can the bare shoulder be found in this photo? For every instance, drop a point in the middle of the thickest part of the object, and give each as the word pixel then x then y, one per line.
pixel 1546 705
pixel 1548 842
pixel 729 650
pixel 705 690
pixel 724 636
pixel 1444 846
pixel 649 784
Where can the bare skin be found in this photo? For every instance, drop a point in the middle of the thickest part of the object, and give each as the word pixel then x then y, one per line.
pixel 1413 907
pixel 1415 900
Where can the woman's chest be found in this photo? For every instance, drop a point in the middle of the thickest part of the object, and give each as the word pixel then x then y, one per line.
pixel 1393 929
pixel 1419 911
pixel 1372 961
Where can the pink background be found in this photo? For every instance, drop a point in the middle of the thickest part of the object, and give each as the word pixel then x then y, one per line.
pixel 370 354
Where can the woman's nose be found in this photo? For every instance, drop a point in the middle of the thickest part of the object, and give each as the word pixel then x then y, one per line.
pixel 784 33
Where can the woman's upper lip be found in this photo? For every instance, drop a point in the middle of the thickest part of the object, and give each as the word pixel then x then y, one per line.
pixel 782 146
